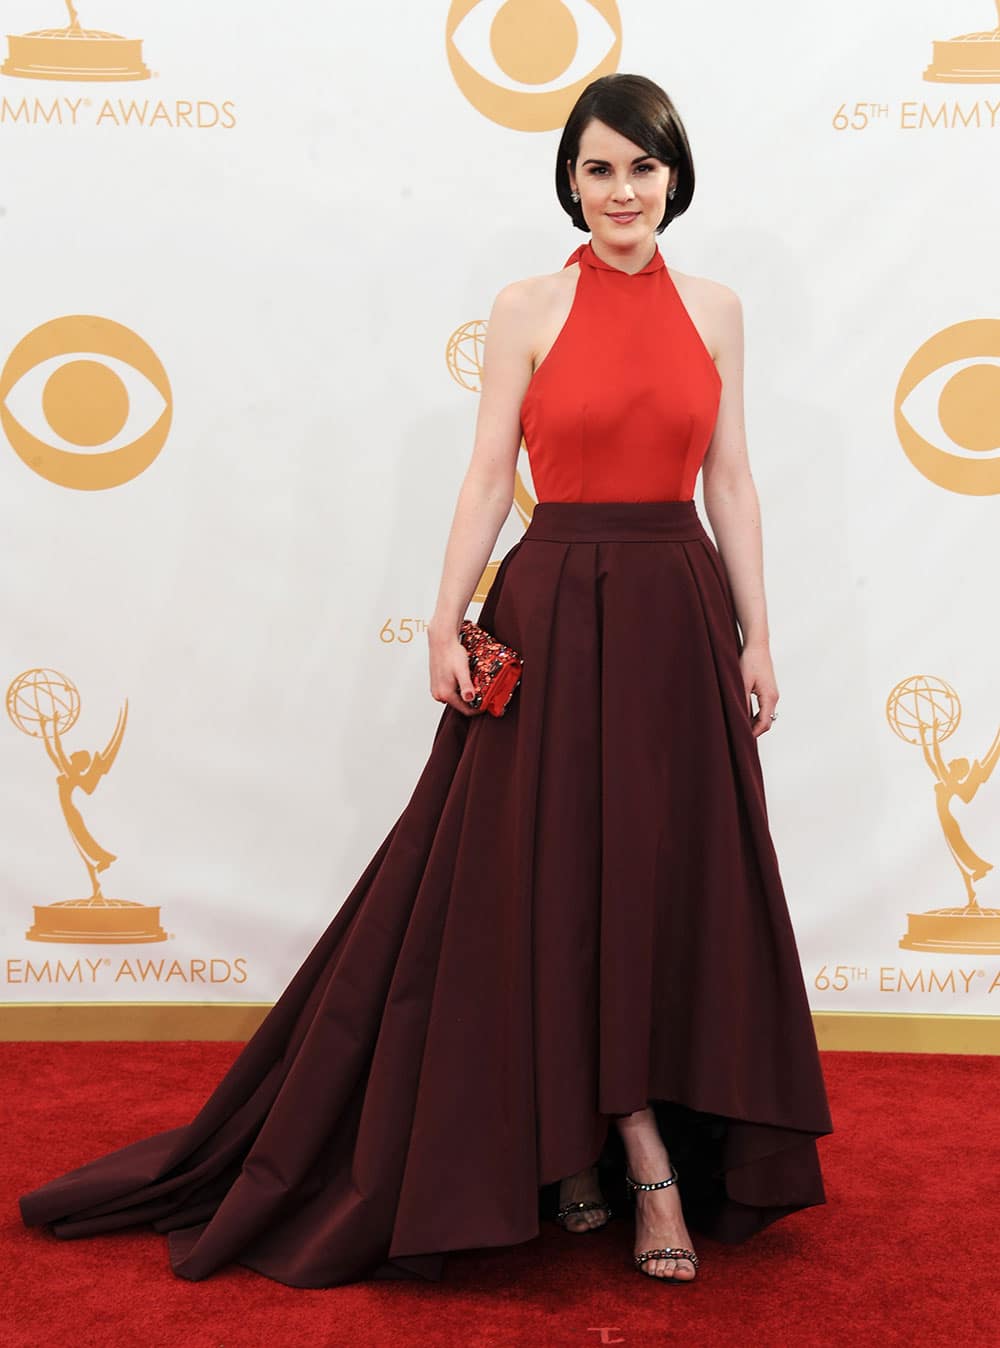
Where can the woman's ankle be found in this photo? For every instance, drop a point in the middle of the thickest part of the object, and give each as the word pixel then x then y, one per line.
pixel 645 1149
pixel 585 1173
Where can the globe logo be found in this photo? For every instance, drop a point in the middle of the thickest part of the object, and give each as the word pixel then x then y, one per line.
pixel 923 705
pixel 41 695
pixel 464 354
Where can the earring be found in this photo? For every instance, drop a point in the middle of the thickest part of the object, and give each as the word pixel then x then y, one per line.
pixel 672 193
pixel 574 196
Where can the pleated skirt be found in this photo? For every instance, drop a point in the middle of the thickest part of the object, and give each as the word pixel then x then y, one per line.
pixel 578 913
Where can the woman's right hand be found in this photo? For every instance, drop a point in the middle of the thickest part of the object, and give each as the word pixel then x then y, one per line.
pixel 451 681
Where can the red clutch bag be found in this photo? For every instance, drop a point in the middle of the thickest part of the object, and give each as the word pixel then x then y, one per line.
pixel 495 668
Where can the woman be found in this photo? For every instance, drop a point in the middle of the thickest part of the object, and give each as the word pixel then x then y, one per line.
pixel 578 916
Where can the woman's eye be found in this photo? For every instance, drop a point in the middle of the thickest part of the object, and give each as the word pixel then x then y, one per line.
pixel 600 169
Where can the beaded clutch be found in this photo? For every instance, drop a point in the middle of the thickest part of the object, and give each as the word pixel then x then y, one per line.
pixel 495 668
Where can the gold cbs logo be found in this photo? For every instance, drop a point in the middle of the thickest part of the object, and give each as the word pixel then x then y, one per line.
pixel 967 405
pixel 524 63
pixel 64 373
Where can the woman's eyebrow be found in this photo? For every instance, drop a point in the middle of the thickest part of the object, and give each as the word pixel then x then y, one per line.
pixel 636 160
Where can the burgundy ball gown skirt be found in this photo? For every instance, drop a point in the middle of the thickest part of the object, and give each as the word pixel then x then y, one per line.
pixel 578 911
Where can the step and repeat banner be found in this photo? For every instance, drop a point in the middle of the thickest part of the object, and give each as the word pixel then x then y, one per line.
pixel 247 255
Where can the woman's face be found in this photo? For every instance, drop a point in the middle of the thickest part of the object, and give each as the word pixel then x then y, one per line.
pixel 623 190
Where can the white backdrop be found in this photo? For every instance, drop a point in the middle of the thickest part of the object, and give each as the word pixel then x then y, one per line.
pixel 293 214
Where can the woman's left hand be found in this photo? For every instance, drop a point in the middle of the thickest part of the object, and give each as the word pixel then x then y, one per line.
pixel 758 678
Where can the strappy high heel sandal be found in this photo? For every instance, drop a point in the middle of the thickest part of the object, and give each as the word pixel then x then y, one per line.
pixel 587 1205
pixel 671 1251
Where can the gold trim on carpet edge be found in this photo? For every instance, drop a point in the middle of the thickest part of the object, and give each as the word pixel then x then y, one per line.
pixel 881 1032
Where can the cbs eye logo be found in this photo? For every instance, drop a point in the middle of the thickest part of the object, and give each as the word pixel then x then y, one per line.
pixel 91 385
pixel 524 63
pixel 961 367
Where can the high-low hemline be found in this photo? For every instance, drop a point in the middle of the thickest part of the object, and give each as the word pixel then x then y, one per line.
pixel 578 909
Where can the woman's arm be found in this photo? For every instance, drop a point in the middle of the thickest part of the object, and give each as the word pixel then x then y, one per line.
pixel 487 490
pixel 733 509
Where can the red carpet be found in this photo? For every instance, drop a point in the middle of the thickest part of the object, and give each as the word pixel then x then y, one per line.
pixel 904 1252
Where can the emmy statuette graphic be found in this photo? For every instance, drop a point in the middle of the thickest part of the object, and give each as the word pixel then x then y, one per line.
pixel 925 710
pixel 45 704
pixel 74 53
pixel 970 58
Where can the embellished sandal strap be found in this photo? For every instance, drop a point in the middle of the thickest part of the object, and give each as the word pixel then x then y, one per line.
pixel 585 1206
pixel 632 1184
pixel 670 1252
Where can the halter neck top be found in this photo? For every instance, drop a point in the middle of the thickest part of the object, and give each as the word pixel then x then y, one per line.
pixel 623 406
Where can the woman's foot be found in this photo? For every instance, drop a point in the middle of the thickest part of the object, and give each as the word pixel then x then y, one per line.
pixel 659 1218
pixel 659 1223
pixel 582 1188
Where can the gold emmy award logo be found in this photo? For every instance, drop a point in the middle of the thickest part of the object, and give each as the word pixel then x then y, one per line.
pixel 464 357
pixel 44 704
pixel 968 408
pixel 74 53
pixel 85 401
pixel 925 710
pixel 523 63
pixel 970 58
pixel 464 354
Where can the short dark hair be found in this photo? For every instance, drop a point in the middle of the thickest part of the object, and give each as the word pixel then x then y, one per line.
pixel 640 111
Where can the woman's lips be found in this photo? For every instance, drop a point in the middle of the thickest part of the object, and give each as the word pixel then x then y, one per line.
pixel 623 217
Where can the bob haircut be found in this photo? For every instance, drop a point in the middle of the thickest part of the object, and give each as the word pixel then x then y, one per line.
pixel 643 113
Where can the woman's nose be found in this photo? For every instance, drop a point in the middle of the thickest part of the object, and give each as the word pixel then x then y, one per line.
pixel 624 192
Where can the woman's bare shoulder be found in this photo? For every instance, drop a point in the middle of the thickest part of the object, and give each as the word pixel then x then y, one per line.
pixel 715 294
pixel 525 309
pixel 715 310
pixel 532 291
